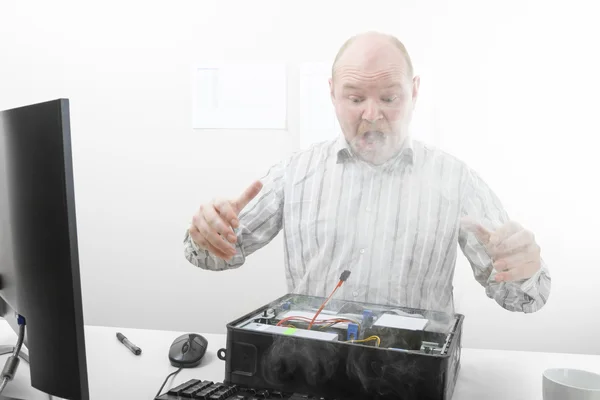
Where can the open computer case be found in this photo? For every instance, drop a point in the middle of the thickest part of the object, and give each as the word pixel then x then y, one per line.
pixel 352 350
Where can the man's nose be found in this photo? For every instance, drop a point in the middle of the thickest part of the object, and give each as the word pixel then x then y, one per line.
pixel 372 111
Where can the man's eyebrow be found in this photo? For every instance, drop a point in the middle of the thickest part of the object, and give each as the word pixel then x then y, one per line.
pixel 350 86
pixel 394 85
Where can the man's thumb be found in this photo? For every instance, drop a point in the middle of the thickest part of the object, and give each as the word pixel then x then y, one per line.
pixel 247 196
pixel 480 232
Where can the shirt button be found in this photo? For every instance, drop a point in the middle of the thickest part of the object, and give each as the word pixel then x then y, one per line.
pixel 368 209
pixel 355 293
pixel 362 251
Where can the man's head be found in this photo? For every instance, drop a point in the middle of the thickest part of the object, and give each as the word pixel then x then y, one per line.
pixel 374 93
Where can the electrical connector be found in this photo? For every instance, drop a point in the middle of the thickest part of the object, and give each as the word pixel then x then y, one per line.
pixel 352 332
pixel 344 275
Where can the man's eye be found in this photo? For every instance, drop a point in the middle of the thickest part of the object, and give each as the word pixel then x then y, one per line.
pixel 390 99
pixel 355 99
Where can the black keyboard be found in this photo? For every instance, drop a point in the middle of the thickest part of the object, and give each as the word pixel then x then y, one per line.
pixel 208 390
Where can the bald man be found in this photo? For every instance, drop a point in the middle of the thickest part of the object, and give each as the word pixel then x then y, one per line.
pixel 375 201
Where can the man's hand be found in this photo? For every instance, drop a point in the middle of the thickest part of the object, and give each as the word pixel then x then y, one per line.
pixel 213 224
pixel 513 249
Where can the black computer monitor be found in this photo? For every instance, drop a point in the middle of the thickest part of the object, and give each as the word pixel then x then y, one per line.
pixel 39 261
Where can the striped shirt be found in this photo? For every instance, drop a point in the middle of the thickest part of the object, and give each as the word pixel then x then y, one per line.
pixel 396 227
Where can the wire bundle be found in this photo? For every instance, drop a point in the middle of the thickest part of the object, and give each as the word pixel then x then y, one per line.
pixel 369 339
pixel 326 323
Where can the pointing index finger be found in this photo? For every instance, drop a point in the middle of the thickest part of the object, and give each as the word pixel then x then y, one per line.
pixel 481 233
pixel 247 196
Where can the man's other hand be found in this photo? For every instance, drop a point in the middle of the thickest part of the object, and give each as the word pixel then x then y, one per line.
pixel 514 252
pixel 213 225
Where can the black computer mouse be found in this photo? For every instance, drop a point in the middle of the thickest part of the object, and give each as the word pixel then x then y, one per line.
pixel 187 350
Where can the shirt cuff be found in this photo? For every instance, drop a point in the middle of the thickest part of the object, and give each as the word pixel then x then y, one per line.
pixel 196 247
pixel 530 284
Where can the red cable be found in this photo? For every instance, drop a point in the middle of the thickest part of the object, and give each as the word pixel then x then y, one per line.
pixel 323 305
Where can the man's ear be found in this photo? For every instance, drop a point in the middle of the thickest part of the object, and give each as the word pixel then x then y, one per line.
pixel 415 91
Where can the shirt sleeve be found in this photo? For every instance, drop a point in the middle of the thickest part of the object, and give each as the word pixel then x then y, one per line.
pixel 481 204
pixel 260 222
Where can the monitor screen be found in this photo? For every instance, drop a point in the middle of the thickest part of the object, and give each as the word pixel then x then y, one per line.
pixel 39 260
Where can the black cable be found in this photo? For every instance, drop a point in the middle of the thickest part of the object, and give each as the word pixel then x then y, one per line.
pixel 10 367
pixel 166 379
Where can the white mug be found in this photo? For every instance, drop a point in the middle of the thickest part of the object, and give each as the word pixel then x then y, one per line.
pixel 570 384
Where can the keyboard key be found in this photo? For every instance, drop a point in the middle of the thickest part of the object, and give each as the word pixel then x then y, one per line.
pixel 233 389
pixel 299 396
pixel 209 391
pixel 176 390
pixel 190 392
pixel 221 394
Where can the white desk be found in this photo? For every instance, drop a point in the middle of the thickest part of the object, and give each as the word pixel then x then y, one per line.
pixel 115 373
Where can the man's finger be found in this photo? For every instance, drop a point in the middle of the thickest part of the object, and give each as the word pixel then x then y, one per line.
pixel 518 272
pixel 212 235
pixel 516 242
pixel 214 229
pixel 508 276
pixel 225 210
pixel 204 245
pixel 197 237
pixel 221 254
pixel 511 261
pixel 480 232
pixel 216 223
pixel 504 232
pixel 515 274
pixel 247 196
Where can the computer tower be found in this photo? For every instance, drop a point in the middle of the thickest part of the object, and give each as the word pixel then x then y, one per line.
pixel 353 350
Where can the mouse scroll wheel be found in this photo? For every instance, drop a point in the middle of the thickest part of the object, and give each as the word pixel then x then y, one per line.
pixel 185 347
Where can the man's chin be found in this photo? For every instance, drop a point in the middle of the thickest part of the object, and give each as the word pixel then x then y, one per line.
pixel 374 157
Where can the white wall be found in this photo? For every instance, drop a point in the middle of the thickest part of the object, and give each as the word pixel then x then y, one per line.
pixel 509 87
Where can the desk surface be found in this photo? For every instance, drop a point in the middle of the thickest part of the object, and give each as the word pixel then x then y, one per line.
pixel 115 373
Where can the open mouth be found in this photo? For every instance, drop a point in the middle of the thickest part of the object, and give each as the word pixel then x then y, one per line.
pixel 372 137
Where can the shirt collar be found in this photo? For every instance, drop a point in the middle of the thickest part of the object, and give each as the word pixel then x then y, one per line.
pixel 344 152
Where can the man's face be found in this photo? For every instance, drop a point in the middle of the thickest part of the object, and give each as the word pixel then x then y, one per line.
pixel 374 97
